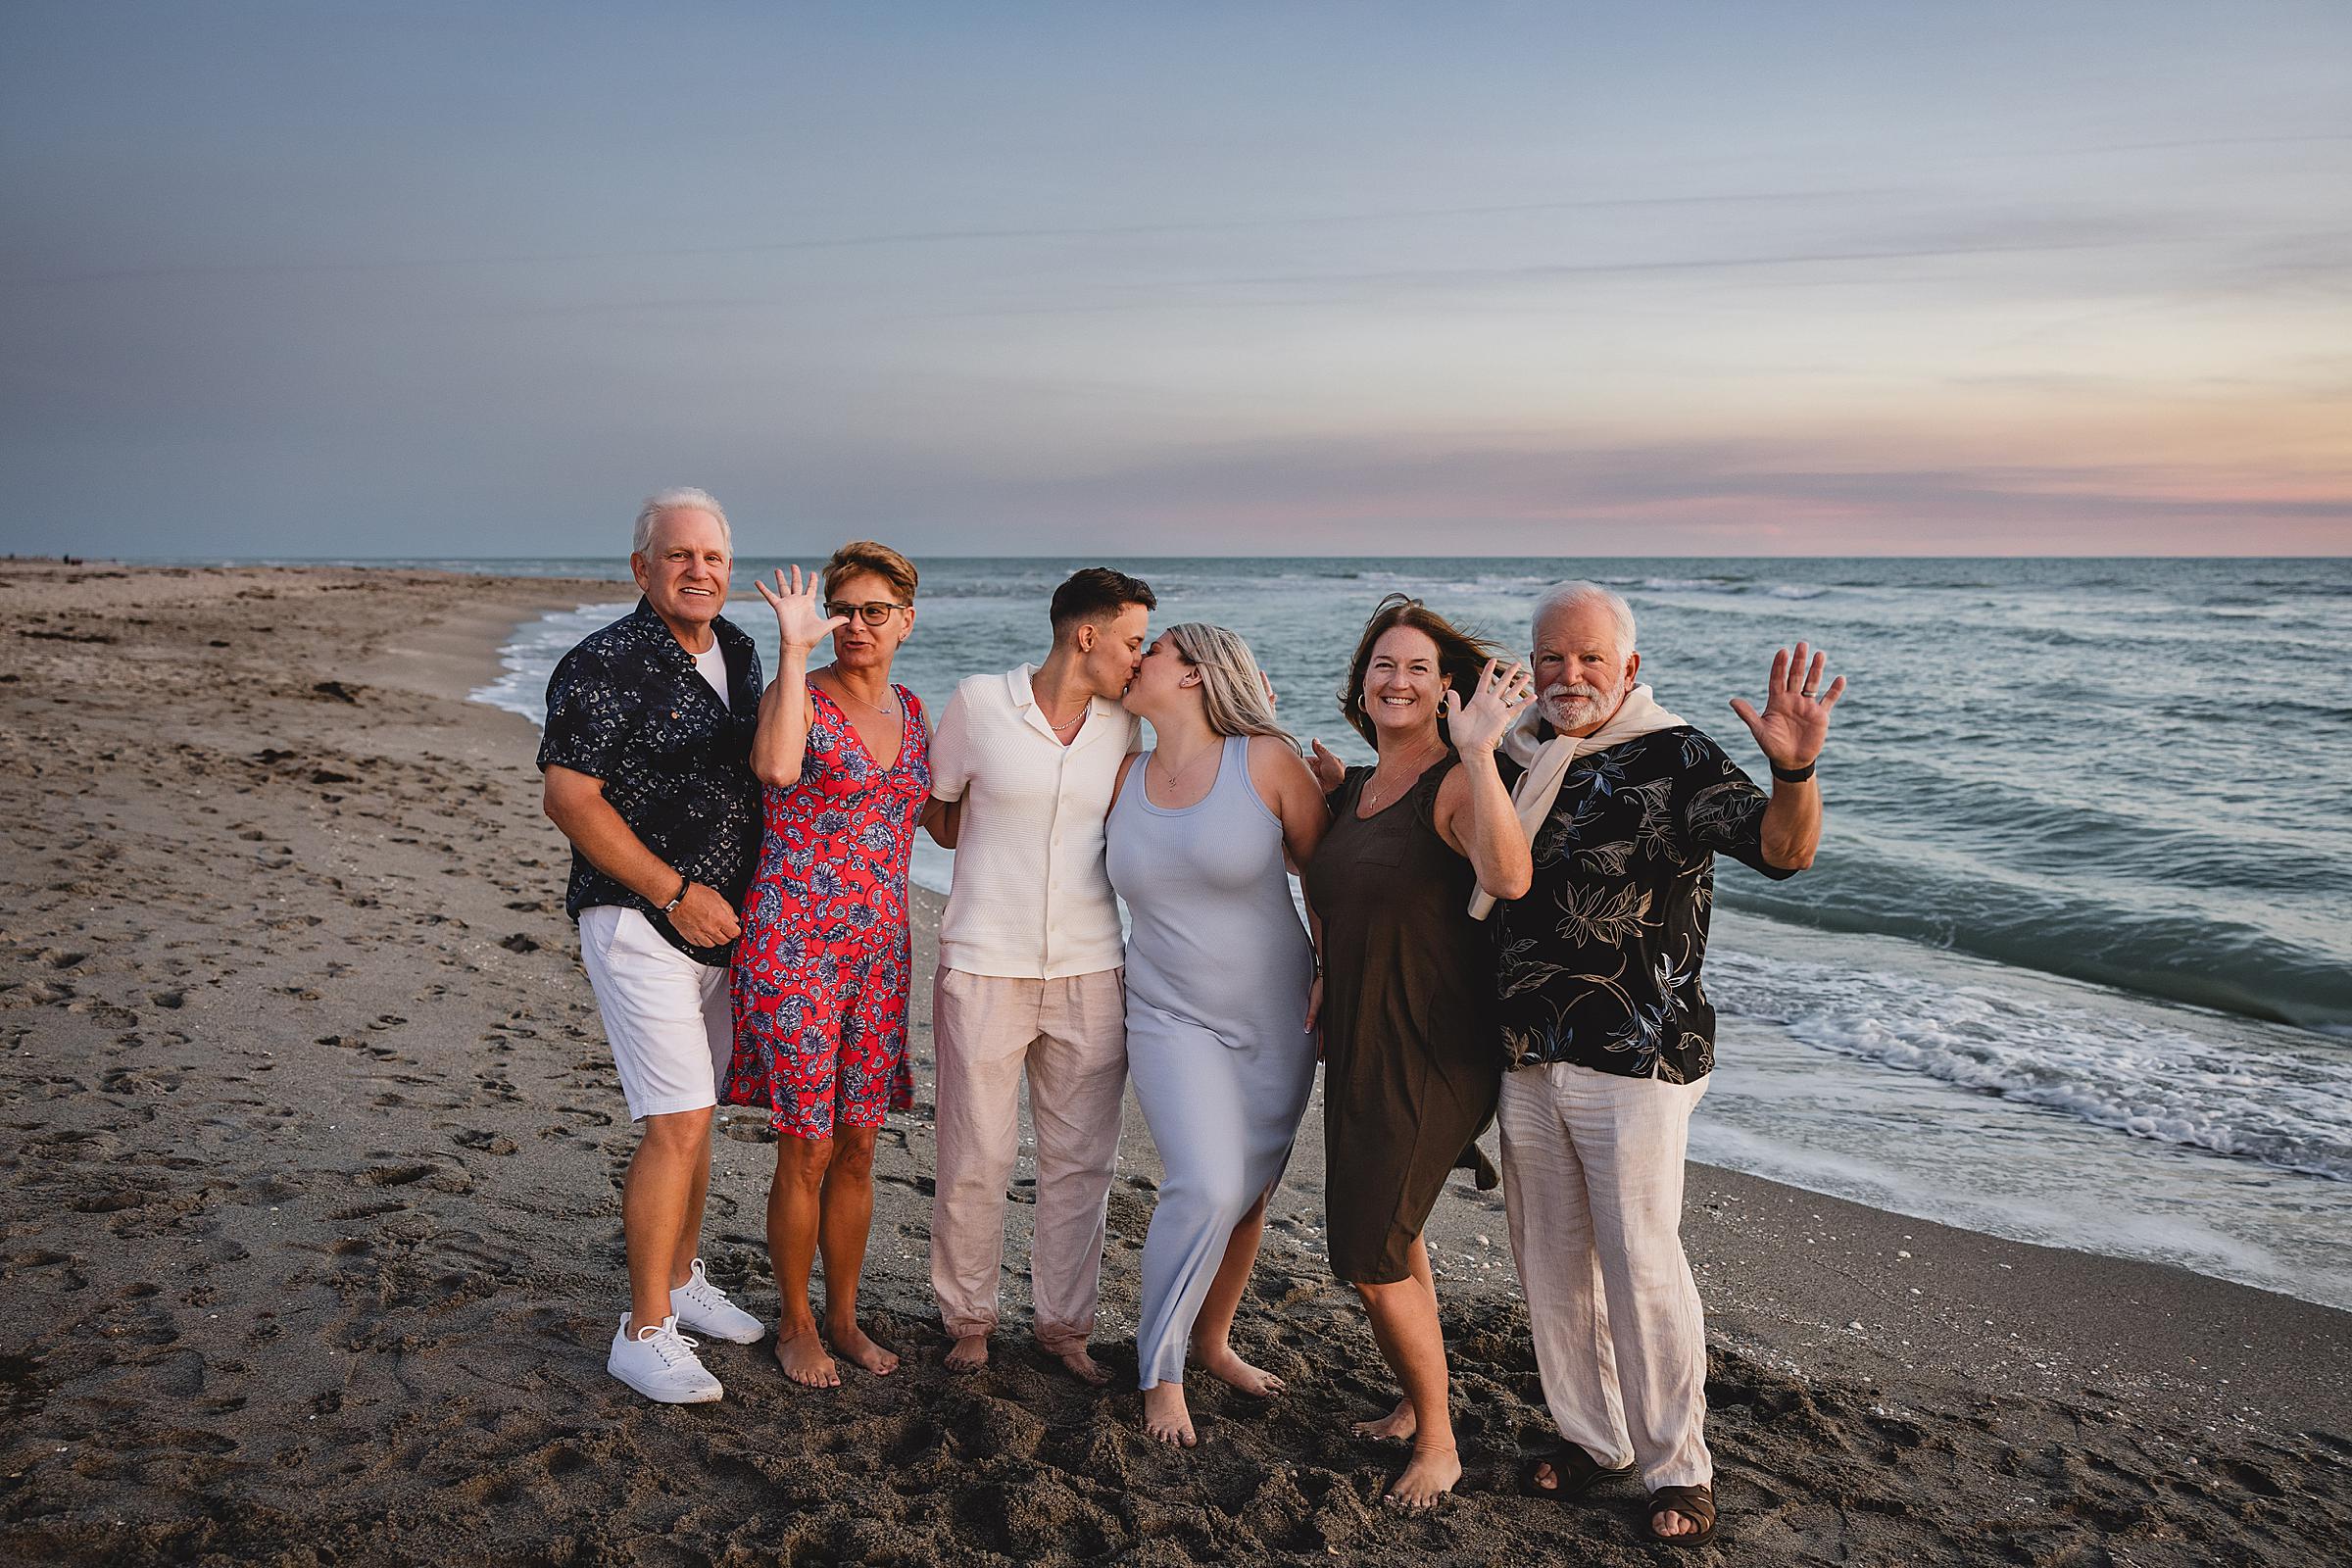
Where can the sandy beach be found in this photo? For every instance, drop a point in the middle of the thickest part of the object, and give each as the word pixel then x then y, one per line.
pixel 312 1221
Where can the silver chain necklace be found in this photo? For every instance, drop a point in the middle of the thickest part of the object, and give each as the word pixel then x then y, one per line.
pixel 887 713
pixel 1370 796
pixel 1169 781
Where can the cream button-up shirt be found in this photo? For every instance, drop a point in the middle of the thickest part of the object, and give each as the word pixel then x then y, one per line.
pixel 1030 898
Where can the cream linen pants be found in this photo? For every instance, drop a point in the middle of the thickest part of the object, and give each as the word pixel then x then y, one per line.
pixel 1070 1035
pixel 1592 1179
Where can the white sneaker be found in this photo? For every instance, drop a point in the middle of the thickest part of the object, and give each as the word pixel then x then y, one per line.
pixel 659 1363
pixel 704 1307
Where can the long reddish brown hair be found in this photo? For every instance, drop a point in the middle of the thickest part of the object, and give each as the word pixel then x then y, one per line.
pixel 1461 658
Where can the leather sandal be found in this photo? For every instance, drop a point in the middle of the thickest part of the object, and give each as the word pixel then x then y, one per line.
pixel 1695 1504
pixel 1574 1473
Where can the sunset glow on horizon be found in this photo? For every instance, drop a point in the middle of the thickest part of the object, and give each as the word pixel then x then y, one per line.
pixel 1815 279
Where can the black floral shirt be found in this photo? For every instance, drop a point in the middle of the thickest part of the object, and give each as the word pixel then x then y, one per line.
pixel 628 706
pixel 1599 962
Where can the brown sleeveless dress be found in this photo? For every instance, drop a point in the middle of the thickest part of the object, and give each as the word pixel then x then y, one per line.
pixel 1411 1063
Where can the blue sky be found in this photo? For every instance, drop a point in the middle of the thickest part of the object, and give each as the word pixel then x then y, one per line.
pixel 1522 278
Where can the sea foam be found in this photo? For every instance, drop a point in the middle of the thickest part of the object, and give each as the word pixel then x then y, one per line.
pixel 2273 1096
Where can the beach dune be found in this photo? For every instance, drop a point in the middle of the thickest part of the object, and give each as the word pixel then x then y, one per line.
pixel 310 1170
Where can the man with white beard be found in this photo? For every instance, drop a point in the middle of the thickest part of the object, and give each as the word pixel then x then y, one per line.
pixel 1610 1037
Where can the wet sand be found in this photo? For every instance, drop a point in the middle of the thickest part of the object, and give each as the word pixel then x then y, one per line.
pixel 311 1182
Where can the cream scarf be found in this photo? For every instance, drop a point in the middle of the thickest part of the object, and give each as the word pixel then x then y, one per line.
pixel 1546 760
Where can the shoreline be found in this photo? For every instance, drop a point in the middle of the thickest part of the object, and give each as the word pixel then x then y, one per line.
pixel 312 1221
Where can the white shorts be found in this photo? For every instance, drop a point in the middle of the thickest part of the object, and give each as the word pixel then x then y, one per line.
pixel 667 1017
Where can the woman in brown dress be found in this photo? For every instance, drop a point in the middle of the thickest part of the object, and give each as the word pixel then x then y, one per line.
pixel 1411 1066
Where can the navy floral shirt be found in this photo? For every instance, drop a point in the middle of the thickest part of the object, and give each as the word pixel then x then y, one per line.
pixel 1599 962
pixel 628 706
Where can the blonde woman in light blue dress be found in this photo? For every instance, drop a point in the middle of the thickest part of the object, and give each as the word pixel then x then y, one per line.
pixel 1220 978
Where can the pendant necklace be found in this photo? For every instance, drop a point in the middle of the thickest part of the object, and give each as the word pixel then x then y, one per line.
pixel 1370 796
pixel 1176 778
pixel 886 713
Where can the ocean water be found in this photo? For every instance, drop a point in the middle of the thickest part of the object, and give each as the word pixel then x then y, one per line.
pixel 2074 963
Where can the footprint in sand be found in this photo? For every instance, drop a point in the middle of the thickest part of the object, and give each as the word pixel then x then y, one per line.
pixel 489 1142
pixel 393 1175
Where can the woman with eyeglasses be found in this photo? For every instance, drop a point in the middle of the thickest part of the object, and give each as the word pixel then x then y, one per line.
pixel 822 971
pixel 1219 971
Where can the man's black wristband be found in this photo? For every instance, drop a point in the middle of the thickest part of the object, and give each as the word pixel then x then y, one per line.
pixel 1794 775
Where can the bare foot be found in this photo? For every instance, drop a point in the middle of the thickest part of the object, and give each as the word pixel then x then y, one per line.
pixel 1165 1417
pixel 1398 1426
pixel 861 1351
pixel 802 1356
pixel 969 1355
pixel 1667 1523
pixel 1428 1476
pixel 1219 1362
pixel 1583 1473
pixel 1682 1514
pixel 1084 1367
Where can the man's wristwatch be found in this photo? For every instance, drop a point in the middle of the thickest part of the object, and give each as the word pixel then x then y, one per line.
pixel 1787 775
pixel 671 907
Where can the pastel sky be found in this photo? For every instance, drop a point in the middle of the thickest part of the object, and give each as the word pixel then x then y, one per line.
pixel 1738 279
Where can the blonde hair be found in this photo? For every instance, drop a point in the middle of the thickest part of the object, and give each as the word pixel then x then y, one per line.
pixel 1235 697
pixel 864 555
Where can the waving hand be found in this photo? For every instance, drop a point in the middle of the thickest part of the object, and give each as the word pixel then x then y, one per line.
pixel 1795 720
pixel 801 619
pixel 1478 724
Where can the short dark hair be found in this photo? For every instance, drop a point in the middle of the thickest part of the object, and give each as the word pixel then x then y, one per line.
pixel 1093 593
pixel 1461 658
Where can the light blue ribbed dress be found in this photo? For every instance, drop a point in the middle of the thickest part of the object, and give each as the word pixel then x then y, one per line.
pixel 1218 973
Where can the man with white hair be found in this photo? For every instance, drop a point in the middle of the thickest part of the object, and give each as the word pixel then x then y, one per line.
pixel 1610 1037
pixel 647 762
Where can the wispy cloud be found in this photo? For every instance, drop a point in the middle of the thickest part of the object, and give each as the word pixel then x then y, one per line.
pixel 1433 497
pixel 264 268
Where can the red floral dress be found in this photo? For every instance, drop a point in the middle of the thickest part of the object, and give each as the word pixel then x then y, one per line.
pixel 822 971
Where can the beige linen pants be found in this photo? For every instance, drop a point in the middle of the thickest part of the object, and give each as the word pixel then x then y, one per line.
pixel 1070 1035
pixel 1592 1180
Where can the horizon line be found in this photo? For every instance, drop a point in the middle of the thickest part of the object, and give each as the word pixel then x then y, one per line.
pixel 275 559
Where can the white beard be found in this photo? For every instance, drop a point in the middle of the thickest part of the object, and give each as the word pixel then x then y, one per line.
pixel 1572 704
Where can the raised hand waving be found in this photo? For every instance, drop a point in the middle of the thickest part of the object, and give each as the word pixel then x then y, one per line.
pixel 1795 720
pixel 1478 724
pixel 801 619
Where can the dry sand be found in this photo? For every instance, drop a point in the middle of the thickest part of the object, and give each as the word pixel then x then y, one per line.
pixel 311 1223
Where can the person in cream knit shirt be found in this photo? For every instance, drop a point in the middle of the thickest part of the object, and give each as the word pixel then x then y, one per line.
pixel 1029 969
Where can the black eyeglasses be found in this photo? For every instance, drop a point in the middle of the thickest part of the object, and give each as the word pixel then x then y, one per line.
pixel 874 612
